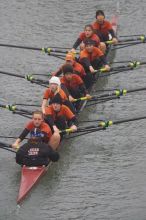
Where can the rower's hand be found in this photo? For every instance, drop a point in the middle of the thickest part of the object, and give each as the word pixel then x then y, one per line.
pixel 88 96
pixel 71 99
pixel 72 51
pixel 82 46
pixel 107 68
pixel 15 146
pixel 43 111
pixel 74 128
pixel 115 40
pixel 55 129
pixel 92 70
pixel 53 73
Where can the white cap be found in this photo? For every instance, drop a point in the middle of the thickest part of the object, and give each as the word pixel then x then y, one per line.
pixel 55 80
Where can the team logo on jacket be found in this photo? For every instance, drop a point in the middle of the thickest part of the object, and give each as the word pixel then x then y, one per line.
pixel 33 151
pixel 36 133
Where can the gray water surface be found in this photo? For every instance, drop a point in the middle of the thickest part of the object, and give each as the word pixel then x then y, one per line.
pixel 101 175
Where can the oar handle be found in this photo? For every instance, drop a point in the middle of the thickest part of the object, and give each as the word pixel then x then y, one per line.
pixel 66 131
pixel 141 38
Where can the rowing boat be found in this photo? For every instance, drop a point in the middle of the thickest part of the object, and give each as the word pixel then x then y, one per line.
pixel 31 175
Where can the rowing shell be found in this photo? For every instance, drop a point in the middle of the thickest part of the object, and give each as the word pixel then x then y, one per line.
pixel 31 175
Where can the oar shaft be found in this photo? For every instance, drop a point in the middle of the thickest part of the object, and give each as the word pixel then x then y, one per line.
pixel 27 77
pixel 21 47
pixel 104 125
pixel 12 74
pixel 30 48
pixel 128 120
pixel 117 92
pixel 5 148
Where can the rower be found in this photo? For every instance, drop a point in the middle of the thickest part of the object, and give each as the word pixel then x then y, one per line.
pixel 59 116
pixel 88 34
pixel 103 28
pixel 38 129
pixel 92 58
pixel 54 88
pixel 77 67
pixel 73 83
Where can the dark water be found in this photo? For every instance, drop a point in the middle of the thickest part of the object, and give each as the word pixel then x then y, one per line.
pixel 101 175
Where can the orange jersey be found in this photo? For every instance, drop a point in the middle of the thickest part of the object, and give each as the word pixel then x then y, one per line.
pixel 94 37
pixel 44 130
pixel 64 111
pixel 48 94
pixel 74 83
pixel 102 28
pixel 79 69
pixel 97 53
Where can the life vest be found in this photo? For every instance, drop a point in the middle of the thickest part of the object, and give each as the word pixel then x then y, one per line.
pixel 74 83
pixel 64 111
pixel 48 94
pixel 96 53
pixel 94 37
pixel 44 131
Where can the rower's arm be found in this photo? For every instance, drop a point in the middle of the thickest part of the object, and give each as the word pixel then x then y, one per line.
pixel 23 134
pixel 85 62
pixel 20 138
pixel 105 63
pixel 49 120
pixel 77 43
pixel 103 60
pixel 111 31
pixel 73 123
pixel 83 89
pixel 44 103
pixel 63 87
pixel 58 72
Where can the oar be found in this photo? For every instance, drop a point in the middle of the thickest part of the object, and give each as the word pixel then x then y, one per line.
pixel 121 61
pixel 115 93
pixel 124 45
pixel 119 92
pixel 32 48
pixel 28 77
pixel 131 35
pixel 10 137
pixel 6 147
pixel 59 56
pixel 141 38
pixel 115 72
pixel 48 50
pixel 14 109
pixel 131 65
pixel 103 125
pixel 27 105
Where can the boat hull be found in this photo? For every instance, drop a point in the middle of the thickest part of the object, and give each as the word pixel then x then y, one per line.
pixel 29 177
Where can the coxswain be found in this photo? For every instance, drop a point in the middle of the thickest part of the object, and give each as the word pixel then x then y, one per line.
pixel 77 67
pixel 88 34
pixel 59 116
pixel 103 28
pixel 42 143
pixel 92 58
pixel 54 88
